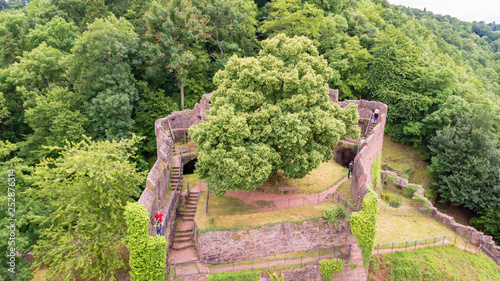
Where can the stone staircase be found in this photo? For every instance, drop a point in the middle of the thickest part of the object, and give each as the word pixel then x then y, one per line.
pixel 175 176
pixel 182 249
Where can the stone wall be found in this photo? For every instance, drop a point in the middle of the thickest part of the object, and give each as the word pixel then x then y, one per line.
pixel 370 149
pixel 155 193
pixel 476 237
pixel 268 240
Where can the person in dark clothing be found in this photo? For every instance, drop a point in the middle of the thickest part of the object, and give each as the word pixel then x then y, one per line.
pixel 351 165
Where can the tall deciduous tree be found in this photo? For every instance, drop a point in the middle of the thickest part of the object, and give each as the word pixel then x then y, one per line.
pixel 293 17
pixel 172 27
pixel 465 165
pixel 100 67
pixel 86 190
pixel 231 26
pixel 270 113
pixel 57 33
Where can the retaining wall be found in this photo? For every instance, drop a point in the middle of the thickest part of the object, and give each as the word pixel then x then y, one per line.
pixel 476 237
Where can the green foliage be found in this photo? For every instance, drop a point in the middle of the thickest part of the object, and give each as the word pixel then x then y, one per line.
pixel 245 275
pixel 465 165
pixel 364 225
pixel 100 68
pixel 85 190
pixel 55 118
pixel 434 263
pixel 230 28
pixel 57 33
pixel 376 176
pixel 410 189
pixel 270 113
pixel 16 180
pixel 489 221
pixel 419 198
pixel 293 17
pixel 276 277
pixel 329 268
pixel 172 27
pixel 333 212
pixel 147 254
pixel 393 201
pixel 152 106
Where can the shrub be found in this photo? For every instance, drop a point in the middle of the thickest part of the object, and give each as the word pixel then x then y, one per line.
pixel 376 177
pixel 147 254
pixel 245 275
pixel 364 225
pixel 410 189
pixel 329 268
pixel 332 212
pixel 394 201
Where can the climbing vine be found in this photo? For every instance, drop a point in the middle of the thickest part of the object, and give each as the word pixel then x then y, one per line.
pixel 329 268
pixel 147 254
pixel 376 178
pixel 364 225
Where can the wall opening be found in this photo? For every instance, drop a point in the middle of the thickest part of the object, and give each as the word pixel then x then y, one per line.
pixel 345 155
pixel 189 167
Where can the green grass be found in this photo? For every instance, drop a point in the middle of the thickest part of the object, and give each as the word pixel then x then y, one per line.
pixel 393 228
pixel 216 219
pixel 433 263
pixel 345 190
pixel 403 157
pixel 193 179
pixel 325 176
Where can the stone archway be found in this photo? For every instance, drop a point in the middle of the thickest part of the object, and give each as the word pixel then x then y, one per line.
pixel 345 155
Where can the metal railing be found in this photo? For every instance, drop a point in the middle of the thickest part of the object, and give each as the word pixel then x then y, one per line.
pixel 170 129
pixel 279 204
pixel 389 247
pixel 315 255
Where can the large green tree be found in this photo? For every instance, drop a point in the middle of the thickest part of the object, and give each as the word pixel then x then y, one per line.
pixel 465 164
pixel 172 27
pixel 270 113
pixel 100 67
pixel 86 190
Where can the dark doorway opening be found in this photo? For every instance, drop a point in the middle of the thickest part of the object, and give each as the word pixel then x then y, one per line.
pixel 345 155
pixel 189 167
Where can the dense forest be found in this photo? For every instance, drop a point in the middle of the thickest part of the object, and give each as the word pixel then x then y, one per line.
pixel 81 80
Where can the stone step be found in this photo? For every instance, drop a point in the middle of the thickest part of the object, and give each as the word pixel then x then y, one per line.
pixel 181 239
pixel 187 212
pixel 183 234
pixel 185 226
pixel 187 217
pixel 182 245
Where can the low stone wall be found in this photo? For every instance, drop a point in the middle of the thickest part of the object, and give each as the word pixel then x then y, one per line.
pixel 476 237
pixel 268 240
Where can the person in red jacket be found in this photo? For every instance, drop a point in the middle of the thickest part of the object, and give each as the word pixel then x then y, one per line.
pixel 158 222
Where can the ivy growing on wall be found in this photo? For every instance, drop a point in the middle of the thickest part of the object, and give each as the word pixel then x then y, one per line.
pixel 329 268
pixel 376 178
pixel 147 254
pixel 364 225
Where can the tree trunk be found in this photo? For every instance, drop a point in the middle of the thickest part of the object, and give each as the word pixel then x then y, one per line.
pixel 182 96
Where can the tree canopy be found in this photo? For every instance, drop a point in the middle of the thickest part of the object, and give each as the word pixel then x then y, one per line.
pixel 270 113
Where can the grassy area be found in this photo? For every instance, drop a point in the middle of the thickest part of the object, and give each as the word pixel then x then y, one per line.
pixel 392 228
pixel 404 157
pixel 345 190
pixel 191 178
pixel 214 220
pixel 325 176
pixel 433 263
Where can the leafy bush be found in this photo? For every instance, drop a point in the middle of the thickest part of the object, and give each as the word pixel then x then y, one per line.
pixel 275 277
pixel 245 275
pixel 329 268
pixel 410 189
pixel 147 254
pixel 419 199
pixel 364 225
pixel 332 212
pixel 394 201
